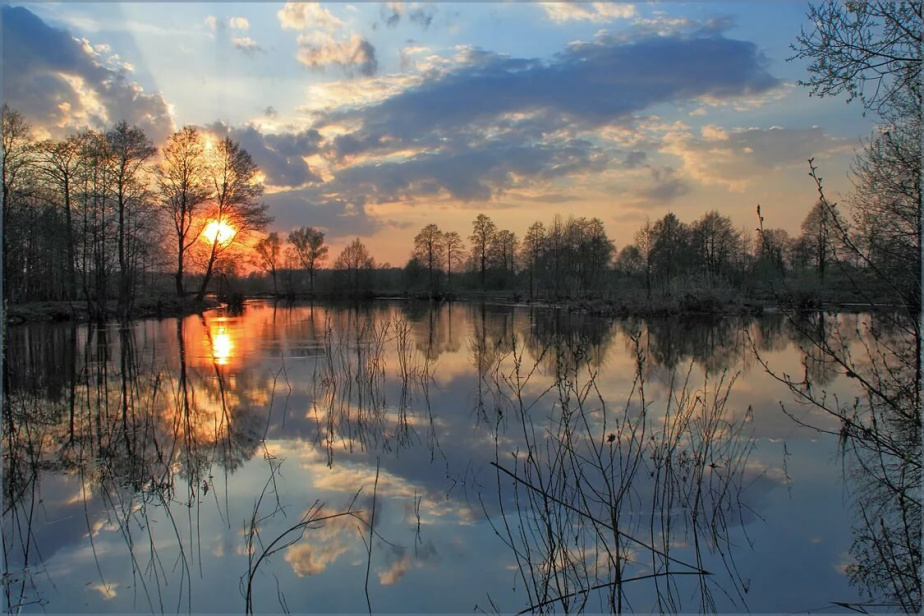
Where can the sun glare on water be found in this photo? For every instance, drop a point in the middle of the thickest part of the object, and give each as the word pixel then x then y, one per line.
pixel 218 231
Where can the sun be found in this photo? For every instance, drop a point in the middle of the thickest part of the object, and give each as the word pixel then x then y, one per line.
pixel 218 231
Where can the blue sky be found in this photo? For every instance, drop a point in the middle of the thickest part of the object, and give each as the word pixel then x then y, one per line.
pixel 372 120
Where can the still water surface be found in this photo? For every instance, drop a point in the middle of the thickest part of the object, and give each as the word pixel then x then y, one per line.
pixel 403 458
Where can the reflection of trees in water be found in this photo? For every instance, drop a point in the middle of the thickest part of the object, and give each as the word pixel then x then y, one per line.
pixel 135 431
pixel 717 345
pixel 433 328
pixel 576 338
pixel 609 499
pixel 348 386
pixel 880 438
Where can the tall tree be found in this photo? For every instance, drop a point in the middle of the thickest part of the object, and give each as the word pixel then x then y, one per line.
pixel 355 262
pixel 714 242
pixel 645 241
pixel 503 251
pixel 596 251
pixel 60 163
pixel 16 159
pixel 671 247
pixel 99 260
pixel 184 189
pixel 236 190
pixel 452 242
pixel 310 249
pixel 428 248
pixel 483 231
pixel 130 149
pixel 269 257
pixel 820 236
pixel 531 251
pixel 887 205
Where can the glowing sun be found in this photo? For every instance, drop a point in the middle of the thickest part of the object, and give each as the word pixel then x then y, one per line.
pixel 218 231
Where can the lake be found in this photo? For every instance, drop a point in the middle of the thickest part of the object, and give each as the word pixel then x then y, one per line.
pixel 412 458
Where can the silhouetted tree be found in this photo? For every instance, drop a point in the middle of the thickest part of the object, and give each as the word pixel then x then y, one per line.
pixel 17 157
pixel 483 231
pixel 355 263
pixel 130 149
pixel 269 257
pixel 310 249
pixel 452 242
pixel 531 251
pixel 236 191
pixel 184 189
pixel 644 241
pixel 428 248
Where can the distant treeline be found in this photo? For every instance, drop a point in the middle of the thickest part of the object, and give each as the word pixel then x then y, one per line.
pixel 103 218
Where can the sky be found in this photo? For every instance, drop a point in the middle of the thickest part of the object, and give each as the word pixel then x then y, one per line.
pixel 372 120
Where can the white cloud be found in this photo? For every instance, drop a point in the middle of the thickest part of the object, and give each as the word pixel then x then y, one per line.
pixel 561 12
pixel 737 158
pixel 238 23
pixel 246 44
pixel 318 50
pixel 235 23
pixel 300 15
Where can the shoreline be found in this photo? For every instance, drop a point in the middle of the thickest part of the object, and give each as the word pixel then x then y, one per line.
pixel 66 311
pixel 628 307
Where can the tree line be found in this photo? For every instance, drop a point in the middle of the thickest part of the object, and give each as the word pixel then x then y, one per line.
pixel 95 216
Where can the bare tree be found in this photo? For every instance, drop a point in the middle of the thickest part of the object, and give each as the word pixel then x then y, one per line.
pixel 16 159
pixel 269 257
pixel 483 232
pixel 236 190
pixel 60 163
pixel 503 251
pixel 886 207
pixel 130 149
pixel 870 50
pixel 531 251
pixel 355 261
pixel 715 243
pixel 452 242
pixel 184 190
pixel 310 249
pixel 645 241
pixel 428 248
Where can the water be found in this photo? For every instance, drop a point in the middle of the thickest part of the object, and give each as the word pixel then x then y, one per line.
pixel 400 458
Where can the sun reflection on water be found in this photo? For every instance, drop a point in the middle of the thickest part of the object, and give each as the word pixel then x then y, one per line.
pixel 222 345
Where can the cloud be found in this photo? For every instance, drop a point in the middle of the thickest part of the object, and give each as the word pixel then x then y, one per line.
pixel 666 186
pixel 302 15
pixel 400 561
pixel 246 44
pixel 561 12
pixel 322 546
pixel 62 84
pixel 338 217
pixel 319 50
pixel 634 159
pixel 281 157
pixel 735 158
pixel 238 23
pixel 586 87
pixel 393 12
pixel 235 23
pixel 408 51
pixel 474 174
